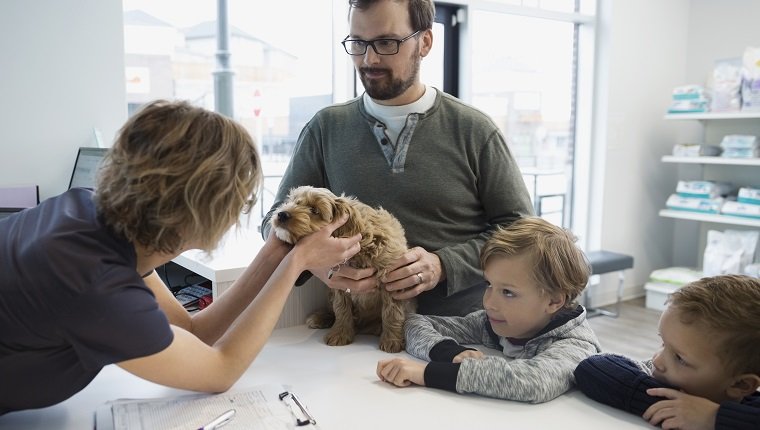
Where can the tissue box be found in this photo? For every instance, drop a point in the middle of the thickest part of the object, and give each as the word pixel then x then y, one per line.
pixel 703 189
pixel 658 293
pixel 711 206
pixel 695 150
pixel 749 195
pixel 740 209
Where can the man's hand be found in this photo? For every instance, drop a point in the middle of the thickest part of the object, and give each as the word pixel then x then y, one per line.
pixel 681 411
pixel 416 271
pixel 347 278
pixel 467 354
pixel 401 372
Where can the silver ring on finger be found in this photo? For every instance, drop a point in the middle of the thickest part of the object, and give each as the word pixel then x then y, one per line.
pixel 419 278
pixel 332 271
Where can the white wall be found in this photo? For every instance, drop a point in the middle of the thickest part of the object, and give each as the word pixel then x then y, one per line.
pixel 655 45
pixel 647 43
pixel 720 30
pixel 61 74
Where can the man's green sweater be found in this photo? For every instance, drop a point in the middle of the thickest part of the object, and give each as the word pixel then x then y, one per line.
pixel 449 179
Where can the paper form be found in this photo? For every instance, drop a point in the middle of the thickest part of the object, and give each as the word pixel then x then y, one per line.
pixel 258 407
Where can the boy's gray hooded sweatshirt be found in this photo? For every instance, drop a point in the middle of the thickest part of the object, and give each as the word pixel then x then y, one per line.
pixel 532 370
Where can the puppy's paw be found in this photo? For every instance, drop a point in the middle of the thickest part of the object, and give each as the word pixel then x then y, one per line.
pixel 391 345
pixel 321 319
pixel 338 338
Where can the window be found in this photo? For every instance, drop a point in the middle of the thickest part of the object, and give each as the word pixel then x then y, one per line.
pixel 523 74
pixel 517 60
pixel 282 76
pixel 523 69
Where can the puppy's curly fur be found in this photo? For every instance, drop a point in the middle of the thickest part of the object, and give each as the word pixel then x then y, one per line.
pixel 308 209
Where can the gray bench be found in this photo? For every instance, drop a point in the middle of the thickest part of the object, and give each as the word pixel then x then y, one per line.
pixel 603 262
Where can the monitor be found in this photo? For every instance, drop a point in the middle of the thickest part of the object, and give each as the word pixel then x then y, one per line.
pixel 17 198
pixel 86 167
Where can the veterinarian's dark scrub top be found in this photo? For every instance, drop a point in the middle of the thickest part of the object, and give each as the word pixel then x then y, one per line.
pixel 71 302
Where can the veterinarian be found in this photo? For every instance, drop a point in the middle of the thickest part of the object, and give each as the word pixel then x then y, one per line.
pixel 441 167
pixel 77 285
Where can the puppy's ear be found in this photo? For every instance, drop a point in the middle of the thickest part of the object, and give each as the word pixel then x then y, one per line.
pixel 342 206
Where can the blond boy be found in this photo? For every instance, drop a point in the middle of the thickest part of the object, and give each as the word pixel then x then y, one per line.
pixel 534 273
pixel 706 373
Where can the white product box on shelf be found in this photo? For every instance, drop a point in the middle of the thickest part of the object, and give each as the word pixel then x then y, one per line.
pixel 703 189
pixel 749 195
pixel 657 294
pixel 741 209
pixel 711 206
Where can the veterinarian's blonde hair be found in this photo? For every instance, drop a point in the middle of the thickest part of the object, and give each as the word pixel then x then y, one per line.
pixel 177 173
pixel 559 265
pixel 728 307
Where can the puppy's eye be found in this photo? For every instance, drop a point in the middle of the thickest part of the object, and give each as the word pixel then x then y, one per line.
pixel 314 211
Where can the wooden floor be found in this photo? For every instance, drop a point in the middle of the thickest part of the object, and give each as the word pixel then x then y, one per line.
pixel 633 333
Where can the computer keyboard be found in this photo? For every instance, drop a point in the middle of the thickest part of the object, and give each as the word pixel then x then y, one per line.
pixel 189 296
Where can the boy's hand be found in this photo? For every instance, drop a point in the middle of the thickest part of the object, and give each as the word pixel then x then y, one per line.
pixel 401 372
pixel 681 411
pixel 467 354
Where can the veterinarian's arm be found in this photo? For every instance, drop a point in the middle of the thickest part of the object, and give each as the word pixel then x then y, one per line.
pixel 209 324
pixel 188 363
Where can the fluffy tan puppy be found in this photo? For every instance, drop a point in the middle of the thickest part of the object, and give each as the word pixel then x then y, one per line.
pixel 308 209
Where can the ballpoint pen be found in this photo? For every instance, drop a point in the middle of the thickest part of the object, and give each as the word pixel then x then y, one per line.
pixel 219 421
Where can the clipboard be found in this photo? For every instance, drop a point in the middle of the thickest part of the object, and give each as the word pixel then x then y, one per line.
pixel 267 407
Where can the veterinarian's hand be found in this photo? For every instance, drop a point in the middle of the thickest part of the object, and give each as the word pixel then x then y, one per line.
pixel 467 354
pixel 416 271
pixel 320 249
pixel 681 411
pixel 401 372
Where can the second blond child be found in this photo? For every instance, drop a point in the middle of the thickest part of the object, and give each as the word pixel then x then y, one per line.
pixel 706 374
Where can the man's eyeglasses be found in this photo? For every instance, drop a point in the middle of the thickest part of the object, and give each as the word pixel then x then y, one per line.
pixel 381 46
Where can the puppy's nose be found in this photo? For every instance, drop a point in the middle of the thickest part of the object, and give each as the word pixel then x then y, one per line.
pixel 283 216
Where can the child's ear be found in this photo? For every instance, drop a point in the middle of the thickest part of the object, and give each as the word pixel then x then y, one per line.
pixel 556 302
pixel 743 386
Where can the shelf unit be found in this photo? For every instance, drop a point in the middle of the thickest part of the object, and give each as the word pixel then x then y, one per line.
pixel 735 119
pixel 740 171
pixel 713 115
pixel 712 160
pixel 716 218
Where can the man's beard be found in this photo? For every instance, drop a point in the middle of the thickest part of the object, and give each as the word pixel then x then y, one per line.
pixel 388 87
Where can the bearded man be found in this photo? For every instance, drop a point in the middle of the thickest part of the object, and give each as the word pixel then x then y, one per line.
pixel 440 166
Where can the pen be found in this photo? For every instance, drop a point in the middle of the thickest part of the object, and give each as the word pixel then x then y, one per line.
pixel 219 421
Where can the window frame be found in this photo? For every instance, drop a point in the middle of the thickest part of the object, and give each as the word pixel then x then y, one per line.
pixel 581 121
